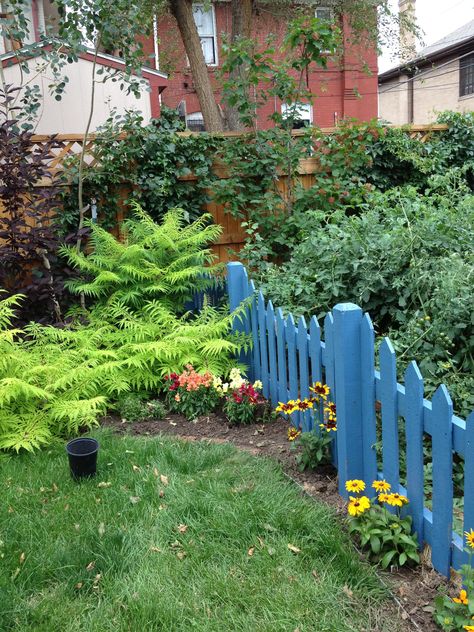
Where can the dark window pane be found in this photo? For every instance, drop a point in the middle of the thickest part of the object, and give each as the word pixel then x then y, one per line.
pixel 466 76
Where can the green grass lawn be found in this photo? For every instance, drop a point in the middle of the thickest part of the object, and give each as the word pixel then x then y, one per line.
pixel 210 552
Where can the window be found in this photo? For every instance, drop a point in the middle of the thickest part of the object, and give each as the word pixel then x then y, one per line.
pixel 6 44
pixel 195 122
pixel 466 75
pixel 206 26
pixel 301 113
pixel 324 13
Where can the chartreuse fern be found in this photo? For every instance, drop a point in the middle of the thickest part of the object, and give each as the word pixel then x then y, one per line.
pixel 53 381
pixel 164 262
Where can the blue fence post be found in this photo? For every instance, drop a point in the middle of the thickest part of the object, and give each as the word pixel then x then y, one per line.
pixel 238 289
pixel 348 378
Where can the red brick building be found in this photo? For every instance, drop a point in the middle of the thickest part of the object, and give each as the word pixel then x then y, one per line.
pixel 343 90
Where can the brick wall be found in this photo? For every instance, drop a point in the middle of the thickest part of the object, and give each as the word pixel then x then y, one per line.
pixel 335 89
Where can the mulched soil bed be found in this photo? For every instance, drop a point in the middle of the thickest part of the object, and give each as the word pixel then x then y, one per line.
pixel 414 590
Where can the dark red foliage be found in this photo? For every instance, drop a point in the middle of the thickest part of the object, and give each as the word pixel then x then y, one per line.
pixel 29 262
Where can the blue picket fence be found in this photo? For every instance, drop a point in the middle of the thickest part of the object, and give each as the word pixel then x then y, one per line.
pixel 288 356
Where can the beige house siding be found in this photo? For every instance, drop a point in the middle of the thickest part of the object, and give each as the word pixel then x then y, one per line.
pixel 393 101
pixel 69 116
pixel 436 90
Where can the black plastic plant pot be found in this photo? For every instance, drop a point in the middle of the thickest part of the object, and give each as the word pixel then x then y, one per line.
pixel 82 454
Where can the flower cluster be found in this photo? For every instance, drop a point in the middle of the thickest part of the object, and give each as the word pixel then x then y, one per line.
pixel 241 398
pixel 190 393
pixel 359 505
pixel 191 380
pixel 318 398
pixel 387 536
pixel 248 392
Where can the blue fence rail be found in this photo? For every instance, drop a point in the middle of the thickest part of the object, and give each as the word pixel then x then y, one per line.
pixel 288 356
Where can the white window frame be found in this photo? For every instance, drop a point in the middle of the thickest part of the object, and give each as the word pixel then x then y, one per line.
pixel 214 34
pixel 325 7
pixel 307 107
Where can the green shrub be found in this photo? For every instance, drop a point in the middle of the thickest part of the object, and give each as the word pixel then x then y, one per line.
pixel 408 260
pixel 132 407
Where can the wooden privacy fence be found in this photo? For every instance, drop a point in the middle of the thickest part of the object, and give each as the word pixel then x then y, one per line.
pixel 288 356
pixel 233 235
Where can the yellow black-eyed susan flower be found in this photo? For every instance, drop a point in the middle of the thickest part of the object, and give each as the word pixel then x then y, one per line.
pixel 381 486
pixel 357 506
pixel 320 389
pixel 355 485
pixel 470 538
pixel 293 433
pixel 396 500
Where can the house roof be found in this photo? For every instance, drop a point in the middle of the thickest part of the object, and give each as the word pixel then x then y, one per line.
pixel 465 32
pixel 103 59
pixel 450 43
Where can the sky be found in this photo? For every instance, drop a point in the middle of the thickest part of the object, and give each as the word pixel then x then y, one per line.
pixel 436 18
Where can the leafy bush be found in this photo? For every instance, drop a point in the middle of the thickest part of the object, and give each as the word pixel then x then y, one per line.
pixel 151 163
pixel 162 263
pixel 132 407
pixel 53 381
pixel 407 260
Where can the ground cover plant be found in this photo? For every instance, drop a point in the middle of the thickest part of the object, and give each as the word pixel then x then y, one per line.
pixel 175 536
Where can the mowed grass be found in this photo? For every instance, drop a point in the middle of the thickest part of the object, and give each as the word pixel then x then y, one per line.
pixel 209 553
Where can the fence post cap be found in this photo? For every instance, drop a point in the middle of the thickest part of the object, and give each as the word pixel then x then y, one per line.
pixel 347 307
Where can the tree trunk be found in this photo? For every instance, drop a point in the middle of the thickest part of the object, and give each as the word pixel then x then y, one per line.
pixel 241 29
pixel 183 13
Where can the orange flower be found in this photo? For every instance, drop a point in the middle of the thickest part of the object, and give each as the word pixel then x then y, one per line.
pixel 462 598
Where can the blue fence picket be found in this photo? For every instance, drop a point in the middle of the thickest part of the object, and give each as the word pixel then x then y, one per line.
pixel 347 365
pixel 262 343
pixel 328 355
pixel 414 447
pixel 442 448
pixel 238 287
pixel 281 357
pixel 369 429
pixel 329 369
pixel 315 350
pixel 316 360
pixel 303 366
pixel 469 475
pixel 272 355
pixel 256 363
pixel 292 366
pixel 389 401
